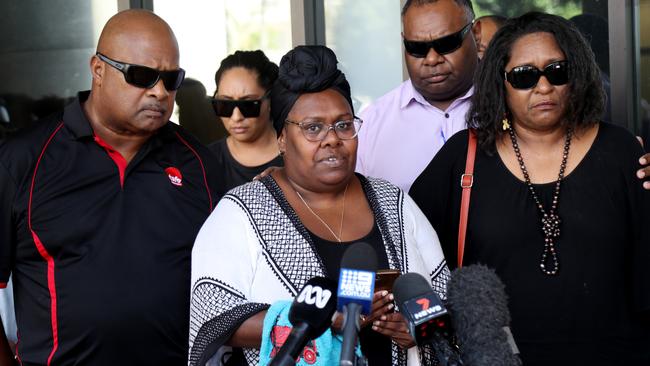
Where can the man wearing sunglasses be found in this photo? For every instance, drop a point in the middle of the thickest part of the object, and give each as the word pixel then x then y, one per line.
pixel 417 117
pixel 99 209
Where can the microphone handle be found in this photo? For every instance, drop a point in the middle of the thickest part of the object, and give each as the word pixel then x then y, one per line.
pixel 292 347
pixel 350 334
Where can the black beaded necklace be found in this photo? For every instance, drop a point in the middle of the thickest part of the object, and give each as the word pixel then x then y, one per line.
pixel 550 220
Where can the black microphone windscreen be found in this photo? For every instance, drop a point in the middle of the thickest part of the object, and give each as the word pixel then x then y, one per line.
pixel 478 305
pixel 360 256
pixel 410 285
pixel 315 305
pixel 480 296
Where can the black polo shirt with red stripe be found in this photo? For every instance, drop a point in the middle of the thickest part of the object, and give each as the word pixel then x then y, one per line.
pixel 99 250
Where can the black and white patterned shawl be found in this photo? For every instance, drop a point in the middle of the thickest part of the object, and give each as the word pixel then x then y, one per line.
pixel 217 309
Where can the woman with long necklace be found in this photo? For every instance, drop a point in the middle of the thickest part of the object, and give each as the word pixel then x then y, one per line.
pixel 555 207
pixel 265 239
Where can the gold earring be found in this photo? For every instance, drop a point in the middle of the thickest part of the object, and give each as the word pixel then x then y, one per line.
pixel 504 123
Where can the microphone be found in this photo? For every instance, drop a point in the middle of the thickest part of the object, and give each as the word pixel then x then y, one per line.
pixel 428 319
pixel 356 289
pixel 310 315
pixel 479 313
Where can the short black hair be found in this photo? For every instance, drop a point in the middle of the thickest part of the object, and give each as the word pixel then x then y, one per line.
pixel 267 70
pixel 467 4
pixel 586 98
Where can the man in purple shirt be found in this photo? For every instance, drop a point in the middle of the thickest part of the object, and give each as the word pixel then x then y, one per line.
pixel 405 128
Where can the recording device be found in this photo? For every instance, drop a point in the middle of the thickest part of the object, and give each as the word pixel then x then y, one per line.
pixel 355 293
pixel 478 305
pixel 311 315
pixel 385 279
pixel 428 319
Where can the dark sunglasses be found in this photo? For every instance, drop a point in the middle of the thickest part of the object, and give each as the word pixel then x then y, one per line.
pixel 527 76
pixel 146 77
pixel 442 46
pixel 248 107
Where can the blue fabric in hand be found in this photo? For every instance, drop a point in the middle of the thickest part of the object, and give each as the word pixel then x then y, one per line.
pixel 324 350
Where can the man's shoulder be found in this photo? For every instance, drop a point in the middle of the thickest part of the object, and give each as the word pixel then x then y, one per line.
pixel 390 100
pixel 210 164
pixel 21 149
pixel 188 139
pixel 26 137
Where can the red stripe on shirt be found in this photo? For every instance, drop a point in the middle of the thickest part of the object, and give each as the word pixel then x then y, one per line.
pixel 51 283
pixel 115 155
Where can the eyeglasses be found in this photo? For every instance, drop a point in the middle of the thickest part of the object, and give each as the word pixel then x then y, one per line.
pixel 317 131
pixel 248 107
pixel 442 46
pixel 146 77
pixel 527 76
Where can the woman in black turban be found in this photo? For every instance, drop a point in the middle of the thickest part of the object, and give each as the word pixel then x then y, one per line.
pixel 266 239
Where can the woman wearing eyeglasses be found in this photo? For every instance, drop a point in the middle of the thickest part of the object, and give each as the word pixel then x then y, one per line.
pixel 243 81
pixel 555 206
pixel 267 238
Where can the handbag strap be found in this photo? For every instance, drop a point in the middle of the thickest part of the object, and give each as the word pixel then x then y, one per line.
pixel 466 182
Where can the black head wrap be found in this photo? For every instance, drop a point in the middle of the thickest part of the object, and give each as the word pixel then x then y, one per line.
pixel 305 69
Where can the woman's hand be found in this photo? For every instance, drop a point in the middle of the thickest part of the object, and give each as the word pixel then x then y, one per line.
pixel 337 322
pixel 644 173
pixel 394 326
pixel 382 303
pixel 266 172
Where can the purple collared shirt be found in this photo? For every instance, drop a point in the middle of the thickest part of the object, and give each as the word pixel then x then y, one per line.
pixel 402 132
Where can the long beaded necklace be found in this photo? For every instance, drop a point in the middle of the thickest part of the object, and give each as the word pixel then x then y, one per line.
pixel 337 237
pixel 550 220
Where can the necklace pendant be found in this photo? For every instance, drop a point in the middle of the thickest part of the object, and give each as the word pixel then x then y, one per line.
pixel 551 225
pixel 550 265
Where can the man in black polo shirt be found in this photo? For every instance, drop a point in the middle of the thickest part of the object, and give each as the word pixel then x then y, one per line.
pixel 99 208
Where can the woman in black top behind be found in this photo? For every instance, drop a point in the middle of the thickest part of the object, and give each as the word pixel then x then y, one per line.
pixel 555 205
pixel 241 100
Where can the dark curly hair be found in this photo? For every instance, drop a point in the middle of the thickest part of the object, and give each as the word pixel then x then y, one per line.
pixel 256 61
pixel 586 100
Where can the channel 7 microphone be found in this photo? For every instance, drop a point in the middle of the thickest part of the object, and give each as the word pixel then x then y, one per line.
pixel 356 289
pixel 427 318
pixel 478 304
pixel 311 315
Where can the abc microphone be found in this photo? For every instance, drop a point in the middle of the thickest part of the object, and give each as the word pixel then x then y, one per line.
pixel 427 317
pixel 356 289
pixel 311 315
pixel 478 304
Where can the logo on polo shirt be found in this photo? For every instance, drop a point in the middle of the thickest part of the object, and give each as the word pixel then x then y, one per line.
pixel 174 176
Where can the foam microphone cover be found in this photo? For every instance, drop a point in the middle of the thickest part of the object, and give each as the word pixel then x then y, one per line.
pixel 478 305
pixel 315 305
